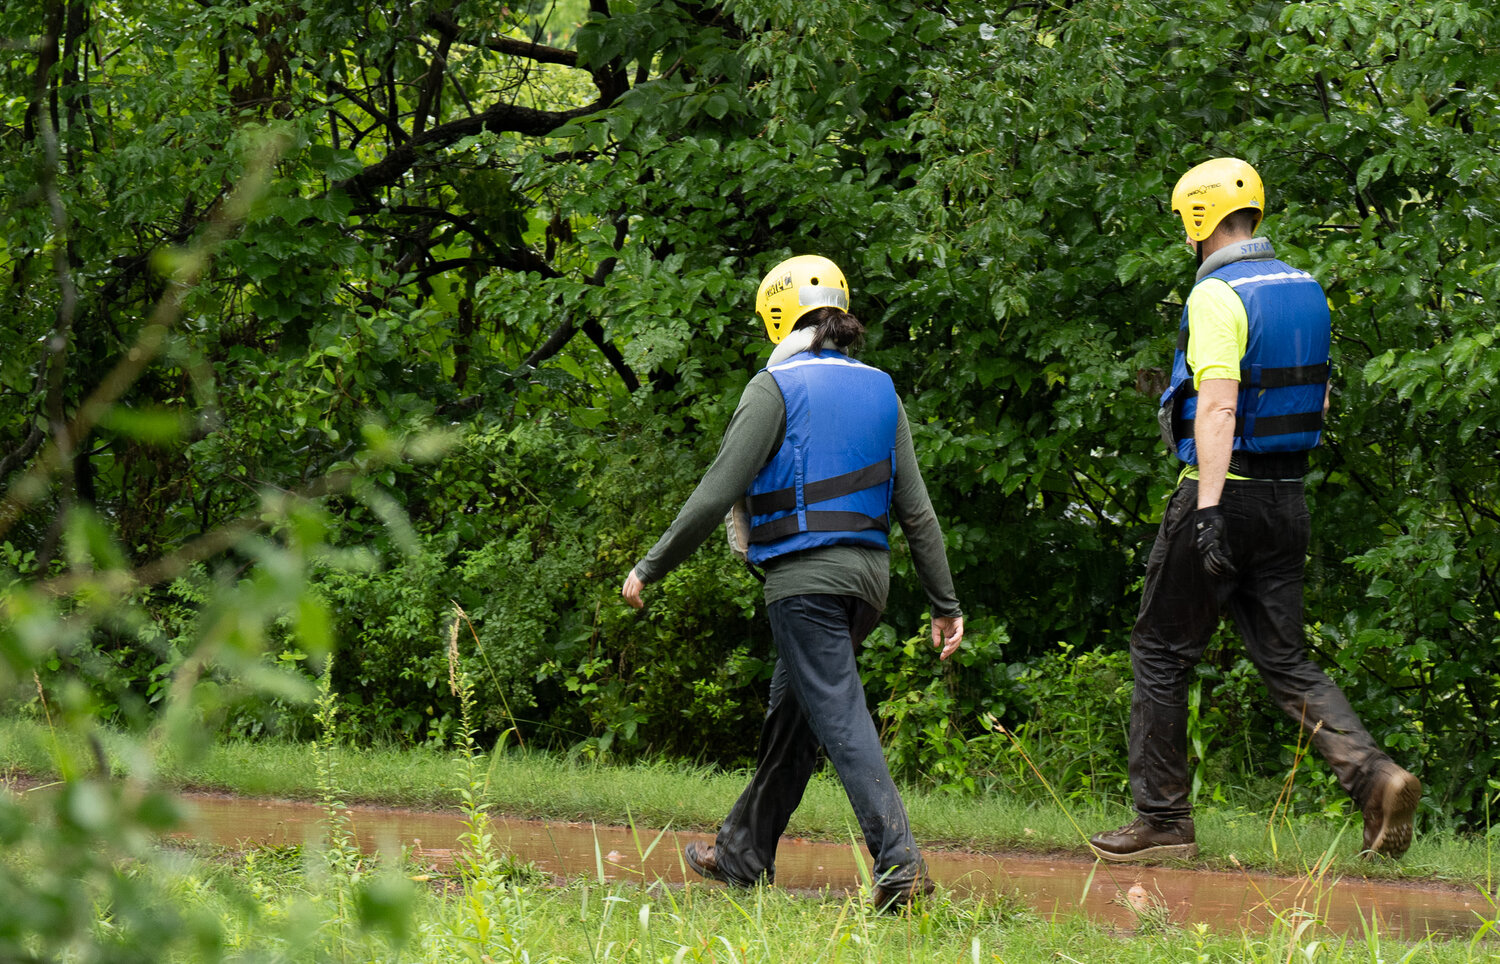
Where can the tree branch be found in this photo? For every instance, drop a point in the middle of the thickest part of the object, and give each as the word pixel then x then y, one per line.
pixel 431 87
pixel 555 343
pixel 564 332
pixel 500 118
pixel 18 457
pixel 448 29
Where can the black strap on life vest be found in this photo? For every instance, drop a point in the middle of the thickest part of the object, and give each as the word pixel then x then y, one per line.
pixel 1269 465
pixel 1254 376
pixel 783 500
pixel 1257 377
pixel 817 522
pixel 1261 427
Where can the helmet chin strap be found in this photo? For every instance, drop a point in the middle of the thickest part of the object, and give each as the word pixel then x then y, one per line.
pixel 1200 253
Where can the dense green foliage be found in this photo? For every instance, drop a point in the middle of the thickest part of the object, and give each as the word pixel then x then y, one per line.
pixel 325 318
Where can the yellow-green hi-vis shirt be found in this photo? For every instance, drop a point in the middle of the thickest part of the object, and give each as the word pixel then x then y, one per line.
pixel 1218 335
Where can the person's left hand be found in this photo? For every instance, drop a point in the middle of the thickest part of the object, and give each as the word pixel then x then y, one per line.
pixel 631 591
pixel 947 634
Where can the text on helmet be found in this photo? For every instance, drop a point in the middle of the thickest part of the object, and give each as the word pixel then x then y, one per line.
pixel 775 286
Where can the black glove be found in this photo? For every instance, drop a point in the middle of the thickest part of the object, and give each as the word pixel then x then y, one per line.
pixel 1211 533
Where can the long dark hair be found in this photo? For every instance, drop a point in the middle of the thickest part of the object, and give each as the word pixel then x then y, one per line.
pixel 835 325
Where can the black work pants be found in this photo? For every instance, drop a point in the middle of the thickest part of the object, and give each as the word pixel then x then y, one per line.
pixel 818 700
pixel 1267 528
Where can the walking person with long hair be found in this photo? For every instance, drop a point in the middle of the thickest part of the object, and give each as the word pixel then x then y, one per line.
pixel 820 452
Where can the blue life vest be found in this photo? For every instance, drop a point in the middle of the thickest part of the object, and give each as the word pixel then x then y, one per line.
pixel 1284 373
pixel 830 482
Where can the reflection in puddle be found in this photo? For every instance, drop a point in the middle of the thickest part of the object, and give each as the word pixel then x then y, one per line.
pixel 1052 885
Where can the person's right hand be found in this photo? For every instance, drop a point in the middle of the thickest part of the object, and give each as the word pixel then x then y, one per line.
pixel 1211 533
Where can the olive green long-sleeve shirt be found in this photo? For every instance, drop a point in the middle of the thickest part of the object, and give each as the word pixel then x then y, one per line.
pixel 755 433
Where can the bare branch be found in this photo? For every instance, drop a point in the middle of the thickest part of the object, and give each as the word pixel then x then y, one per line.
pixel 16 459
pixel 542 54
pixel 500 118
pixel 555 343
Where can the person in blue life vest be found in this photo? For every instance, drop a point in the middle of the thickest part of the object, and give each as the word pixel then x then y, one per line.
pixel 1245 406
pixel 818 455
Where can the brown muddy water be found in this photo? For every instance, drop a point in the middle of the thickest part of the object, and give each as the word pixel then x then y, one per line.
pixel 1227 902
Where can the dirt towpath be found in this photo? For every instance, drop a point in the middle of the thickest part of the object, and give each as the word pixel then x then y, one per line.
pixel 1053 885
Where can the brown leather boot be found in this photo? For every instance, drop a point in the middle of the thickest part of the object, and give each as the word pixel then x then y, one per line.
pixel 1138 840
pixel 704 861
pixel 1393 799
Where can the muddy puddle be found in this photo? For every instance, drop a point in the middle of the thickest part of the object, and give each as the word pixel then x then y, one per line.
pixel 1227 902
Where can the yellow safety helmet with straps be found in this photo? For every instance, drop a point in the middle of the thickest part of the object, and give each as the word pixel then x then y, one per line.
pixel 1204 195
pixel 795 287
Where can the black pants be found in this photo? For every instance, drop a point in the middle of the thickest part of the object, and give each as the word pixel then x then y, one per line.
pixel 817 700
pixel 1268 530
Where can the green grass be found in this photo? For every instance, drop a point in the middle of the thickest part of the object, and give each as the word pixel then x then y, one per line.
pixel 595 924
pixel 284 903
pixel 695 798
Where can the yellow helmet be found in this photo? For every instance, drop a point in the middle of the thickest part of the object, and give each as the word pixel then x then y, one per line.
pixel 795 287
pixel 1213 189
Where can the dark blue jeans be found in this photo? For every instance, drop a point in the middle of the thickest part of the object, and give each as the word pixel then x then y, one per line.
pixel 1268 530
pixel 817 700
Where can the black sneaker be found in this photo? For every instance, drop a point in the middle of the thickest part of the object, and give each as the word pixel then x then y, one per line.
pixel 1138 840
pixel 1388 812
pixel 704 861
